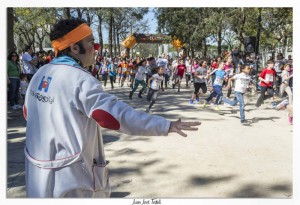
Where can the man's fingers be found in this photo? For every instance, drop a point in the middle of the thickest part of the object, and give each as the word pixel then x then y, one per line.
pixel 189 128
pixel 190 123
pixel 181 133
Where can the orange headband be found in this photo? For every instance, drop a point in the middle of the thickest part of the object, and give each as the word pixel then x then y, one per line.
pixel 73 36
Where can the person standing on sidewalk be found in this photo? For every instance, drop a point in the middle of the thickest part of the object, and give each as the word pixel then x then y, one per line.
pixel 13 72
pixel 65 108
pixel 28 62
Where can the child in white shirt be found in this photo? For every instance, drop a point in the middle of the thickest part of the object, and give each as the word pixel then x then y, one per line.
pixel 154 87
pixel 241 84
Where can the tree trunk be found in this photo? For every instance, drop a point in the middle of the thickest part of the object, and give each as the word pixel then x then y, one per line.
pixel 204 47
pixel 192 52
pixel 88 19
pixel 79 13
pixel 110 31
pixel 115 41
pixel 219 41
pixel 10 30
pixel 67 13
pixel 118 43
pixel 100 33
pixel 284 46
pixel 273 51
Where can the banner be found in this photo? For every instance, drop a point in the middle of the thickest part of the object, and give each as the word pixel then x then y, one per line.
pixel 129 42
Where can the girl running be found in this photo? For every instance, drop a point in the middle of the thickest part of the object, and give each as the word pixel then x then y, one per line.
pixel 200 81
pixel 217 86
pixel 284 87
pixel 154 87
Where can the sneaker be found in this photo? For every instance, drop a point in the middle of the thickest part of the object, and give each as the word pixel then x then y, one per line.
pixel 273 104
pixel 204 105
pixel 19 106
pixel 198 100
pixel 191 102
pixel 282 104
pixel 217 108
pixel 148 111
pixel 245 122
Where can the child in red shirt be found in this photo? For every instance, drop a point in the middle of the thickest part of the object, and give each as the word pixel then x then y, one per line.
pixel 180 72
pixel 267 78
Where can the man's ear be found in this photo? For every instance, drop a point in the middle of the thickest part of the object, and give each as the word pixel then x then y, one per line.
pixel 75 48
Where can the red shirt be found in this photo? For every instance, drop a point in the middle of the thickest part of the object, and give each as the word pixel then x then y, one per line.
pixel 215 65
pixel 268 75
pixel 180 70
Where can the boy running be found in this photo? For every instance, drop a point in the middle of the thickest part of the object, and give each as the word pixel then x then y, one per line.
pixel 267 78
pixel 180 72
pixel 242 81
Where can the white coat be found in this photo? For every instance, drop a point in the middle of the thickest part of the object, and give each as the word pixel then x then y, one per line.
pixel 65 108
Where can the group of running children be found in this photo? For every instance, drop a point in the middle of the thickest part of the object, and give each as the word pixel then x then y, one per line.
pixel 221 74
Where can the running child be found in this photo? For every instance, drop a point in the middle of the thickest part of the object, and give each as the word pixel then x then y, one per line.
pixel 154 87
pixel 217 86
pixel 267 78
pixel 200 81
pixel 242 81
pixel 181 68
pixel 139 79
pixel 284 87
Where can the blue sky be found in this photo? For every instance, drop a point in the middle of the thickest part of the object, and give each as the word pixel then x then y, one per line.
pixel 151 20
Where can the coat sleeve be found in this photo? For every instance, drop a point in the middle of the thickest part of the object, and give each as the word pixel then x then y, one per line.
pixel 109 112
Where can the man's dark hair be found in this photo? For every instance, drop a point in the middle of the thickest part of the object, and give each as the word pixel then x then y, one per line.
pixel 63 27
pixel 27 48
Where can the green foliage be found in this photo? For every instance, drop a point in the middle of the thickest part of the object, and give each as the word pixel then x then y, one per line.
pixel 228 26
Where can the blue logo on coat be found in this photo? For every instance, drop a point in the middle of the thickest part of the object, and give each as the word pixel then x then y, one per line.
pixel 44 84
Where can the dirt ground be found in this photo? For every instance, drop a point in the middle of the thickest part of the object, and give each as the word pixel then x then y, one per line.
pixel 223 159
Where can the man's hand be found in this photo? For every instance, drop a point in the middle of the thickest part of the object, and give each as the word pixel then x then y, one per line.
pixel 177 126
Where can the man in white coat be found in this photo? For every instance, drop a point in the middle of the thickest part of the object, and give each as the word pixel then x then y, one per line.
pixel 65 108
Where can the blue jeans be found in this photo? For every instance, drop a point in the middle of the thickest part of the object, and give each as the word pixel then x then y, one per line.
pixel 217 92
pixel 239 98
pixel 14 87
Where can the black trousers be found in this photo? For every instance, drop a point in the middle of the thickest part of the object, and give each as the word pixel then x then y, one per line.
pixel 262 96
